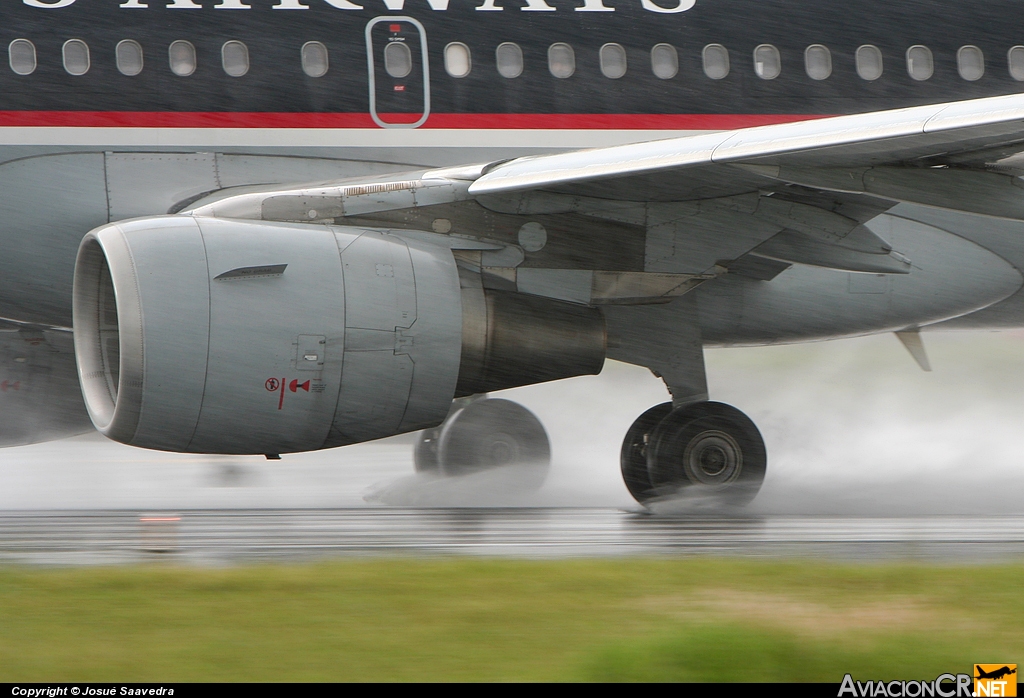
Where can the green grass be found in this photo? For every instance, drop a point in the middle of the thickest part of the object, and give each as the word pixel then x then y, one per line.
pixel 738 653
pixel 464 619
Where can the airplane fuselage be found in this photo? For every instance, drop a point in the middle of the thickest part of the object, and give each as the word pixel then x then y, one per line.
pixel 286 225
pixel 110 109
pixel 669 75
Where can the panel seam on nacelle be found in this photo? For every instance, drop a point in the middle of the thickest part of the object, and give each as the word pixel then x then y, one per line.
pixel 209 333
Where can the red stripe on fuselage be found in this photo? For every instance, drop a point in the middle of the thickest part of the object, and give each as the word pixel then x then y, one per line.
pixel 654 122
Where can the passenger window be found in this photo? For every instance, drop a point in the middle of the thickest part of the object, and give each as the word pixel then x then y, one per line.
pixel 920 65
pixel 613 61
pixel 818 62
pixel 129 57
pixel 182 56
pixel 314 59
pixel 397 59
pixel 767 62
pixel 1015 60
pixel 869 62
pixel 664 61
pixel 970 62
pixel 234 56
pixel 561 60
pixel 457 60
pixel 22 55
pixel 510 60
pixel 76 57
pixel 716 61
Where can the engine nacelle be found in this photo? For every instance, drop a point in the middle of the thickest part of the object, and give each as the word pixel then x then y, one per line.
pixel 206 335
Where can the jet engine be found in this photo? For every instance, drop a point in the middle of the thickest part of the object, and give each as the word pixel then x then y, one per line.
pixel 208 335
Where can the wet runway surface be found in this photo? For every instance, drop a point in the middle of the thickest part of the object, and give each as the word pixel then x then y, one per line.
pixel 246 536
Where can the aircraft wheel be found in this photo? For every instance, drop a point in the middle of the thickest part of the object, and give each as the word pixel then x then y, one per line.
pixel 633 456
pixel 487 435
pixel 707 449
pixel 424 456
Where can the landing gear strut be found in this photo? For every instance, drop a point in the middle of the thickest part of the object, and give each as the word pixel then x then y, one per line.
pixel 704 448
pixel 487 435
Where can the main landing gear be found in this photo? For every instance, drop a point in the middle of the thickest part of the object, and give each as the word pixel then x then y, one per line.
pixel 487 435
pixel 703 448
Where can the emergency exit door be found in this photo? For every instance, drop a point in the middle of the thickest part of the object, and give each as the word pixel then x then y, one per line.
pixel 396 54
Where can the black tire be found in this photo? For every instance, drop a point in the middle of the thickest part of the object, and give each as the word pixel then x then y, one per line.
pixel 708 448
pixel 633 456
pixel 494 433
pixel 424 455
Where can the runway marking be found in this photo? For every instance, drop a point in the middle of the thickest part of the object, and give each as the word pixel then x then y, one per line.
pixel 84 537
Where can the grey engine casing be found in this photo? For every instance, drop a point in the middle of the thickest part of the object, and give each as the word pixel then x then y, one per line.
pixel 220 365
pixel 206 335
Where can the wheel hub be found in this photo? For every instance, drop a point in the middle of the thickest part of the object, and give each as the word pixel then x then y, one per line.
pixel 503 451
pixel 713 458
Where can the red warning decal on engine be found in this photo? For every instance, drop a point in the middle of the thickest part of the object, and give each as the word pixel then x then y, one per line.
pixel 10 385
pixel 280 385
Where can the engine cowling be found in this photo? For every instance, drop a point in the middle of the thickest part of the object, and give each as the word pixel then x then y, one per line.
pixel 207 335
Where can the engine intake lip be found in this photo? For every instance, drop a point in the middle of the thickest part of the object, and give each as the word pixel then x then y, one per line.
pixel 107 320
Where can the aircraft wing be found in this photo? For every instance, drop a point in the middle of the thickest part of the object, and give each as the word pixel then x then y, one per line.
pixel 946 155
pixel 750 201
pixel 789 193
